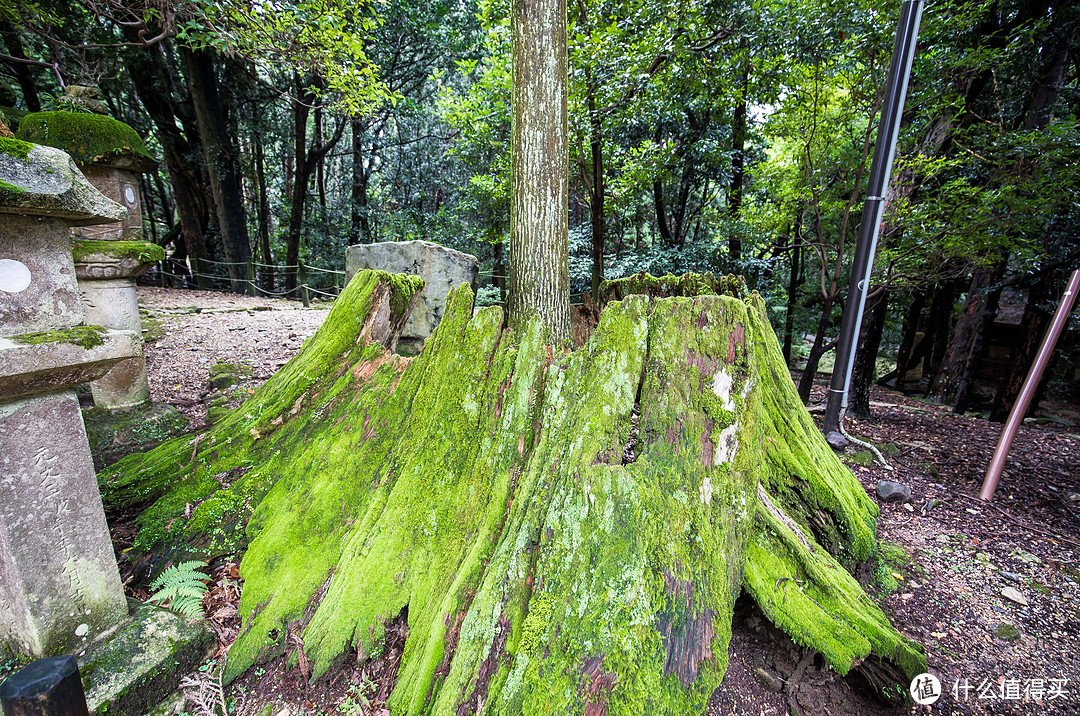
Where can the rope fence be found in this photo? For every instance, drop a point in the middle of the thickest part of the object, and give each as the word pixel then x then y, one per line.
pixel 258 278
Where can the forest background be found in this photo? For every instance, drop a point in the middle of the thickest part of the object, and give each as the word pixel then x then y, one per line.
pixel 729 136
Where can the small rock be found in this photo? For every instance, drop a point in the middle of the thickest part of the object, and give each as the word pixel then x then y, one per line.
pixel 889 491
pixel 769 680
pixel 1011 576
pixel 1026 557
pixel 836 440
pixel 1014 596
pixel 1006 632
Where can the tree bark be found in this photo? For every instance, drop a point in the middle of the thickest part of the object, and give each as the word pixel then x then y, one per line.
pixel 966 337
pixel 939 328
pixel 21 70
pixel 818 349
pixel 794 279
pixel 151 77
pixel 222 163
pixel 866 353
pixel 359 221
pixel 305 160
pixel 539 248
pixel 738 154
pixel 907 338
pixel 1032 327
pixel 564 532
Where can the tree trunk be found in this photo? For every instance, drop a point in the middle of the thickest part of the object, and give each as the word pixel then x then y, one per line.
pixel 596 198
pixel 562 533
pixel 222 163
pixel 262 199
pixel 907 338
pixel 738 154
pixel 21 70
pixel 794 279
pixel 661 212
pixel 939 329
pixel 866 353
pixel 500 269
pixel 965 342
pixel 150 76
pixel 1032 327
pixel 359 223
pixel 539 249
pixel 806 381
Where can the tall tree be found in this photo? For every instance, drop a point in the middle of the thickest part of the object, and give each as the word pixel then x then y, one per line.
pixel 539 249
pixel 222 161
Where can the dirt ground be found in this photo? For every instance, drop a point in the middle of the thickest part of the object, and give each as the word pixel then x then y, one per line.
pixel 990 589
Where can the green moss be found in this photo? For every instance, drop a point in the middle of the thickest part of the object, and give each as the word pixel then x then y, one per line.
pixel 9 188
pixel 565 531
pixel 84 336
pixel 690 284
pixel 1006 632
pixel 88 138
pixel 141 251
pixel 15 148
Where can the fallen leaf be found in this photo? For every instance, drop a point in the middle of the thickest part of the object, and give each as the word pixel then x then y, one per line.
pixel 1014 595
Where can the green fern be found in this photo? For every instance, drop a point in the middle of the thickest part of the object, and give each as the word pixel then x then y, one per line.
pixel 182 586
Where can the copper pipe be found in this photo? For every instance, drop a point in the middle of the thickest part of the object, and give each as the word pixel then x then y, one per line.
pixel 1031 383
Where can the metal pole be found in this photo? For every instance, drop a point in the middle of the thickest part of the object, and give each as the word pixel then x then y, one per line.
pixel 903 56
pixel 1031 384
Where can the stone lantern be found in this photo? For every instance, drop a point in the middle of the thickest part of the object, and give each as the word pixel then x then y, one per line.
pixel 108 257
pixel 59 584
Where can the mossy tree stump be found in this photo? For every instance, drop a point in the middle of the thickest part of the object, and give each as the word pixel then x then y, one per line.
pixel 564 532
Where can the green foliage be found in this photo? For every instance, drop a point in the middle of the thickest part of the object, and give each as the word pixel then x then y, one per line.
pixel 181 588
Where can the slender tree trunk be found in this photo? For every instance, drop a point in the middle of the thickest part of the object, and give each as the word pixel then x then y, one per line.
pixel 539 249
pixel 359 223
pixel 939 328
pixel 866 353
pixel 738 154
pixel 596 203
pixel 907 338
pixel 500 267
pixel 222 163
pixel 21 70
pixel 320 171
pixel 661 212
pixel 263 211
pixel 150 75
pixel 1032 327
pixel 794 279
pixel 806 381
pixel 301 174
pixel 953 381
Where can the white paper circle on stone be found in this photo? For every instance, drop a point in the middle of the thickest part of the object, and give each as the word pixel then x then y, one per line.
pixel 129 195
pixel 14 276
pixel 82 629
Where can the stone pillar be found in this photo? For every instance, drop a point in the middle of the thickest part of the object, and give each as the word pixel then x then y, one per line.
pixel 59 584
pixel 440 267
pixel 108 256
pixel 106 271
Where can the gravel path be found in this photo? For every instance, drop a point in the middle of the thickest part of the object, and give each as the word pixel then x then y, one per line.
pixel 189 331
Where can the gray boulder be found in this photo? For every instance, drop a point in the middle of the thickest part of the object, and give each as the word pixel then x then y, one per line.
pixel 440 267
pixel 889 491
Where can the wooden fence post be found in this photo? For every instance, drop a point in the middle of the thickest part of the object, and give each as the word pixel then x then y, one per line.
pixel 46 687
pixel 301 274
pixel 251 277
